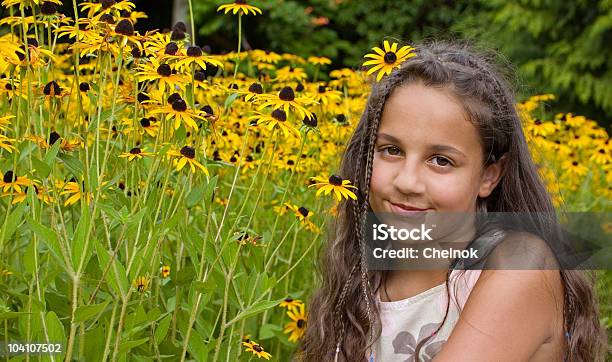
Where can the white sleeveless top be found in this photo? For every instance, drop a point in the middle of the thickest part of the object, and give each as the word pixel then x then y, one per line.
pixel 406 322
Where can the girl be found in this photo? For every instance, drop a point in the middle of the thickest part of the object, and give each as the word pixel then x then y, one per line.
pixel 441 133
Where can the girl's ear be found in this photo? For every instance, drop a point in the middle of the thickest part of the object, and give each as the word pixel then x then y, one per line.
pixel 491 177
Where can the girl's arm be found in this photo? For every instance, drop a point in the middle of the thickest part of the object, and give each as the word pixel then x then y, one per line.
pixel 508 316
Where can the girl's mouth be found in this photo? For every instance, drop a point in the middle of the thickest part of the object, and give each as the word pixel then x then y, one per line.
pixel 407 210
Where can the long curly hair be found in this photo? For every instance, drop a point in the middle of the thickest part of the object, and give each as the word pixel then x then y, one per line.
pixel 343 313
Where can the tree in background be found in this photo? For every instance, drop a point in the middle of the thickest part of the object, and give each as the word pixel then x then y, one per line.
pixel 558 46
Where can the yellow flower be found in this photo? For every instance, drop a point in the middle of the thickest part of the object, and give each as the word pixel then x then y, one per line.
pixel 5 143
pixel 385 61
pixel 287 101
pixel 600 156
pixel 142 284
pixel 11 181
pixel 539 128
pixel 181 114
pixel 256 349
pixel 290 303
pixel 297 326
pixel 165 271
pixel 277 119
pixel 239 6
pixel 162 73
pixel 319 60
pixel 135 153
pixel 195 55
pixel 186 156
pixel 336 184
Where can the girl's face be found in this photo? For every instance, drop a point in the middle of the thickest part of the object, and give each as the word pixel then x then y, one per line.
pixel 428 155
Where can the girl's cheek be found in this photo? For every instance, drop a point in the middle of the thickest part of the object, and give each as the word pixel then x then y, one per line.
pixel 451 192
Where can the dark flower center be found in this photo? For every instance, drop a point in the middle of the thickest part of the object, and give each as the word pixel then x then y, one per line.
pixel 279 115
pixel 107 3
pixel 143 97
pixel 53 137
pixel 164 70
pixel 288 300
pixel 135 151
pixel 179 105
pixel 340 118
pixel 574 163
pixel 537 122
pixel 304 211
pixel 52 89
pixel 136 53
pixel 145 122
pixel 322 89
pixel 194 51
pixel 9 177
pixel 208 109
pixel 301 323
pixel 108 18
pixel 177 34
pixel 84 87
pixel 299 87
pixel 124 27
pixel 256 347
pixel 286 94
pixel 335 180
pixel 256 88
pixel 310 121
pixel 48 8
pixel 240 2
pixel 125 14
pixel 180 26
pixel 174 97
pixel 390 57
pixel 199 76
pixel 601 150
pixel 188 152
pixel 171 48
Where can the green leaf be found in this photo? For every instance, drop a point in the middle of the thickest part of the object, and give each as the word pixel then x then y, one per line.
pixel 80 236
pixel 86 312
pixel 48 236
pixel 126 346
pixel 268 331
pixel 162 329
pixel 42 169
pixel 55 328
pixel 50 156
pixel 14 220
pixel 74 164
pixel 255 309
pixel 230 99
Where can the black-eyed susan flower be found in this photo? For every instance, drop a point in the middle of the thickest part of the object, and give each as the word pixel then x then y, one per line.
pixel 7 143
pixel 290 303
pixel 384 61
pixel 181 113
pixel 186 156
pixel 300 212
pixel 297 326
pixel 142 284
pixel 163 73
pixel 256 349
pixel 75 191
pixel 165 271
pixel 277 119
pixel 601 155
pixel 135 153
pixel 336 184
pixel 574 169
pixel 195 55
pixel 539 128
pixel 319 60
pixel 289 74
pixel 10 181
pixel 287 101
pixel 239 7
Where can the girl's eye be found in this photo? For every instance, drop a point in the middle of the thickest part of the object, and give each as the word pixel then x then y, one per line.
pixel 444 161
pixel 391 150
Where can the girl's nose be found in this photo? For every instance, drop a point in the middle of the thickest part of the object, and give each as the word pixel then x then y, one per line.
pixel 409 178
